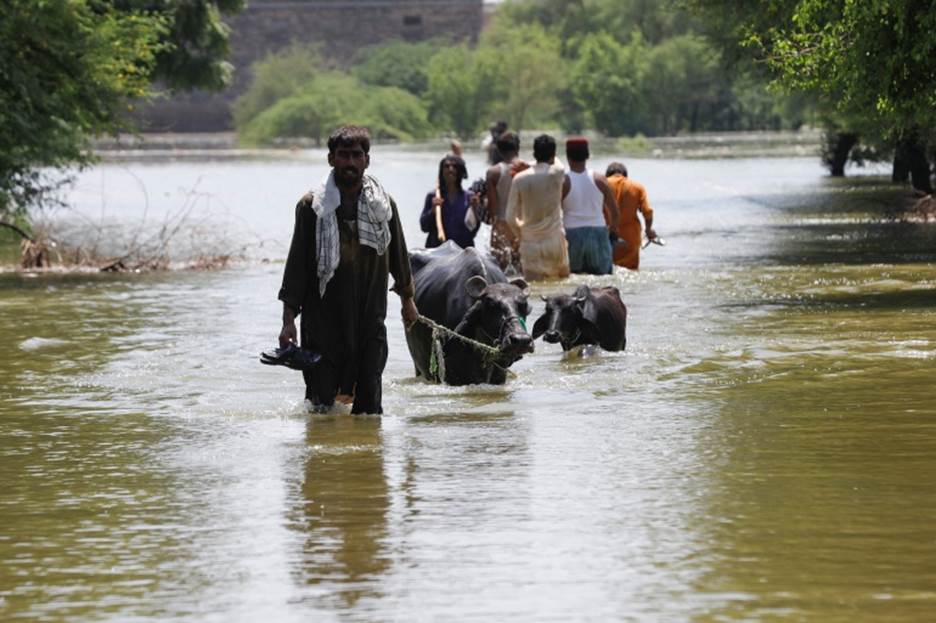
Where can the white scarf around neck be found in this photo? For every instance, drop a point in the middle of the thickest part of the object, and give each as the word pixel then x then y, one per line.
pixel 373 223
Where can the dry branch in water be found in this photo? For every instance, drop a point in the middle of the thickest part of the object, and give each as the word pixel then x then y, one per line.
pixel 923 209
pixel 186 238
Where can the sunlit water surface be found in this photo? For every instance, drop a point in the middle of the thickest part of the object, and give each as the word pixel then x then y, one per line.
pixel 765 449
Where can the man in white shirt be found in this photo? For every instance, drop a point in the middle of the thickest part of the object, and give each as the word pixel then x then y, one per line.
pixel 534 213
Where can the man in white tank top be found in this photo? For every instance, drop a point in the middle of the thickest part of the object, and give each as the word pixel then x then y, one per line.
pixel 586 199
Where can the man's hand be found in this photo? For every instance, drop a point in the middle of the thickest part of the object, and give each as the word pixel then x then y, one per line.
pixel 651 234
pixel 288 334
pixel 437 201
pixel 410 313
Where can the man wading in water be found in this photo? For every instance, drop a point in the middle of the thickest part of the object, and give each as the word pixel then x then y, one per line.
pixel 346 241
pixel 504 245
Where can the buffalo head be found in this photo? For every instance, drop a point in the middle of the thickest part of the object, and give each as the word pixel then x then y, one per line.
pixel 590 316
pixel 563 320
pixel 499 315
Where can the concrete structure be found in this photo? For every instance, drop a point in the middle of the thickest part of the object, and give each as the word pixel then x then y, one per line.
pixel 340 26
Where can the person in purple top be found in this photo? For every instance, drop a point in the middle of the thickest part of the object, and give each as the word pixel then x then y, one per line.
pixel 455 204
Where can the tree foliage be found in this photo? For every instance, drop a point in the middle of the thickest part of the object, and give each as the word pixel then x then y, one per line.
pixel 397 64
pixel 65 69
pixel 69 69
pixel 643 66
pixel 872 63
pixel 524 73
pixel 456 96
pixel 329 99
pixel 606 82
pixel 276 77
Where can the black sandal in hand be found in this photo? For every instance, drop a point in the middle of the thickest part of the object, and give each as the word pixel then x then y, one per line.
pixel 290 356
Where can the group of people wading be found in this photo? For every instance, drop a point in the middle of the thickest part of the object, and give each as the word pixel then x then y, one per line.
pixel 546 222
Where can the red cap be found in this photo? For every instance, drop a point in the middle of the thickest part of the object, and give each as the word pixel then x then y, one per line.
pixel 576 140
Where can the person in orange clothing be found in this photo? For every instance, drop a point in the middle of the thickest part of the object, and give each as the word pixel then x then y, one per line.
pixel 631 198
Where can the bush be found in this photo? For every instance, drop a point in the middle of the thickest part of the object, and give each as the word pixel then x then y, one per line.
pixel 397 64
pixel 334 99
pixel 276 77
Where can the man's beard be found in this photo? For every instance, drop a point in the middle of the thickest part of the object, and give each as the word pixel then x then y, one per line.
pixel 348 177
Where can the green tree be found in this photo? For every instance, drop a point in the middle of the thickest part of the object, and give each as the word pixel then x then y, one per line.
pixel 70 68
pixel 457 95
pixel 275 77
pixel 65 69
pixel 605 82
pixel 873 61
pixel 683 75
pixel 196 44
pixel 641 66
pixel 397 64
pixel 523 73
pixel 333 98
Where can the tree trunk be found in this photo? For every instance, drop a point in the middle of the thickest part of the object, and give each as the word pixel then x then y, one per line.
pixel 901 171
pixel 840 145
pixel 919 166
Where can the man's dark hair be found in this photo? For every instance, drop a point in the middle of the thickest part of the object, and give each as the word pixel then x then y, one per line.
pixel 349 136
pixel 508 142
pixel 544 148
pixel 577 151
pixel 616 168
pixel 459 166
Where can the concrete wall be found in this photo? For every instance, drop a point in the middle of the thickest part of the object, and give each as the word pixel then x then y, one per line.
pixel 340 26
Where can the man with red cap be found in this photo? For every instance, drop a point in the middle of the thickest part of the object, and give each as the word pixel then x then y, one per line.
pixel 586 197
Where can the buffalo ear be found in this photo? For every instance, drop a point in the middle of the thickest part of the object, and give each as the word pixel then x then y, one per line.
pixel 540 326
pixel 589 312
pixel 520 283
pixel 475 286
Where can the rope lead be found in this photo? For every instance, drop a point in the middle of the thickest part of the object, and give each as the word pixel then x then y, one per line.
pixel 489 354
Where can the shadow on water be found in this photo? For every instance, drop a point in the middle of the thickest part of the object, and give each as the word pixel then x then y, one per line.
pixel 920 299
pixel 852 221
pixel 859 243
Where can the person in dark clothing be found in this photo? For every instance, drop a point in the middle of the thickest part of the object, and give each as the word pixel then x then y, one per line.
pixel 454 203
pixel 346 241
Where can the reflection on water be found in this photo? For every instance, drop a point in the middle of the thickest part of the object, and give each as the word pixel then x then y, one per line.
pixel 762 450
pixel 341 512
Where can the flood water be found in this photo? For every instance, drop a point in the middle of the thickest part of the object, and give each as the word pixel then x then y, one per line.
pixel 765 449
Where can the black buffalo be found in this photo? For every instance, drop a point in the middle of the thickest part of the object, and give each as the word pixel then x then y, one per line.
pixel 465 291
pixel 590 316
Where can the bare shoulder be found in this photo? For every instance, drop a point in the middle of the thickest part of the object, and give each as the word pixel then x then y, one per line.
pixel 600 180
pixel 493 173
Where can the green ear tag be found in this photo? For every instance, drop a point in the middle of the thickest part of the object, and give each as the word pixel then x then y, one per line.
pixel 523 324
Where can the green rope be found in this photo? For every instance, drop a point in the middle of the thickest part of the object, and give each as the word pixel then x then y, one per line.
pixel 437 359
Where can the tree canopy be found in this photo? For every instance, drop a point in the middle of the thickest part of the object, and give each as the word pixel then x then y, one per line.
pixel 621 67
pixel 70 69
pixel 872 64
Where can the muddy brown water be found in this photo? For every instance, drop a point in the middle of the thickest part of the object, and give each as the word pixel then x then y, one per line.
pixel 765 449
